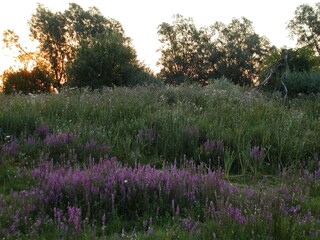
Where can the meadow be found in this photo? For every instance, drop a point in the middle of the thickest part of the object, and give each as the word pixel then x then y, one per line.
pixel 160 162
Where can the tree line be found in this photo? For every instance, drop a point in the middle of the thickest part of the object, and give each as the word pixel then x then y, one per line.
pixel 82 48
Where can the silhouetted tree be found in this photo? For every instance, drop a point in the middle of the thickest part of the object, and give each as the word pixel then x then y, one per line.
pixel 24 81
pixel 104 61
pixel 185 51
pixel 60 34
pixel 234 51
pixel 241 51
pixel 26 58
pixel 306 26
pixel 301 59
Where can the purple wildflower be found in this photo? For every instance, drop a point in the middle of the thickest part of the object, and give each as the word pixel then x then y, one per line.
pixel 257 153
pixel 42 131
pixel 54 140
pixel 209 146
pixel 30 141
pixel 74 217
pixel 11 147
pixel 149 231
pixel 90 145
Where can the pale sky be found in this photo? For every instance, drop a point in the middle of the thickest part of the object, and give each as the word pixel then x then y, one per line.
pixel 140 19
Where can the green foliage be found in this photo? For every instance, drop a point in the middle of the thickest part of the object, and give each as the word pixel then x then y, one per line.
pixel 305 26
pixel 241 51
pixel 148 125
pixel 185 51
pixel 300 70
pixel 106 61
pixel 299 59
pixel 23 81
pixel 302 59
pixel 152 124
pixel 197 55
pixel 60 34
pixel 303 82
pixel 143 76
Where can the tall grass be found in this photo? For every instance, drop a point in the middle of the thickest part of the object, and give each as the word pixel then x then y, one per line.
pixel 179 121
pixel 303 82
pixel 188 162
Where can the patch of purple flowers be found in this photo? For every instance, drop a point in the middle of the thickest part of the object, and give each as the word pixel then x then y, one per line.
pixel 30 141
pixel 98 189
pixel 42 131
pixel 210 146
pixel 54 140
pixel 257 153
pixel 11 148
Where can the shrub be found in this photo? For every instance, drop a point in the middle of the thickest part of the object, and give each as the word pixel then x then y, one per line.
pixel 303 82
pixel 106 61
pixel 24 81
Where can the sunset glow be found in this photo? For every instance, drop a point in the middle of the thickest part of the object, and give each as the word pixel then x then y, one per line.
pixel 140 19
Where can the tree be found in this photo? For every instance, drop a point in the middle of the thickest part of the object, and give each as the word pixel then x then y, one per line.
pixel 24 81
pixel 241 51
pixel 106 60
pixel 301 59
pixel 306 26
pixel 234 51
pixel 26 58
pixel 59 34
pixel 33 76
pixel 185 51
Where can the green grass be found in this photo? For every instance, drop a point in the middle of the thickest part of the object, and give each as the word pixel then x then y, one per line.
pixel 182 119
pixel 241 119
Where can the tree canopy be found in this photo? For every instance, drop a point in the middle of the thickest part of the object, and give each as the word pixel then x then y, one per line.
pixel 85 48
pixel 234 51
pixel 306 26
pixel 185 51
pixel 25 81
pixel 60 34
pixel 104 61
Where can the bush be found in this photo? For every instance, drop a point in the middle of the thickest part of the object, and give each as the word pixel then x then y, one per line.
pixel 144 77
pixel 303 82
pixel 24 81
pixel 106 61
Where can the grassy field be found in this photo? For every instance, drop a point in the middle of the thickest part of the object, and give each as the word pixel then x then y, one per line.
pixel 188 162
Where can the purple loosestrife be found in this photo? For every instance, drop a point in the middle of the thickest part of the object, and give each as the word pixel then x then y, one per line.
pixel 54 140
pixel 11 148
pixel 74 219
pixel 257 153
pixel 90 145
pixel 191 226
pixel 42 131
pixel 30 141
pixel 112 185
pixel 209 146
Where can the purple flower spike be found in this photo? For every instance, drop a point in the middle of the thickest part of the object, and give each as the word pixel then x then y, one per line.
pixel 209 145
pixel 11 147
pixel 42 131
pixel 257 153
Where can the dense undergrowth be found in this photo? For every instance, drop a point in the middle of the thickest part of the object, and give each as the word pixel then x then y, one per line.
pixel 188 162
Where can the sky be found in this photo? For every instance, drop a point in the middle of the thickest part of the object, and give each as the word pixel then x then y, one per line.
pixel 141 18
